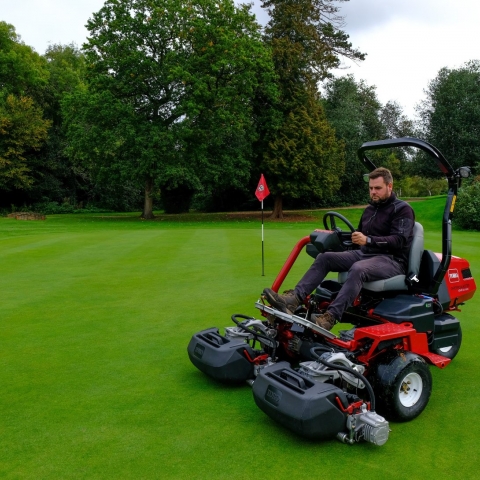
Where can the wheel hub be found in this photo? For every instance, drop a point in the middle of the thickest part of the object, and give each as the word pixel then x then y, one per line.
pixel 410 389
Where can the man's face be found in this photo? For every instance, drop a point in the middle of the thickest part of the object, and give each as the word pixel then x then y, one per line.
pixel 379 190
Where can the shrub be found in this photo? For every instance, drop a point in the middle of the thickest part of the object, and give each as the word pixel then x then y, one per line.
pixel 53 208
pixel 467 209
pixel 417 186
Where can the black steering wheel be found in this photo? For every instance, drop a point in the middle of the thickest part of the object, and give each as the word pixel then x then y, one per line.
pixel 255 329
pixel 344 237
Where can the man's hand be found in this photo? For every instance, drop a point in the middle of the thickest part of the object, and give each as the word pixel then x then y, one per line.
pixel 359 238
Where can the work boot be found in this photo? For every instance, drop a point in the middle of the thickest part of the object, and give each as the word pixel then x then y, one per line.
pixel 325 320
pixel 287 303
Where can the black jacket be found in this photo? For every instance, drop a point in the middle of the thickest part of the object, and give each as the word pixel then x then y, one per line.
pixel 390 226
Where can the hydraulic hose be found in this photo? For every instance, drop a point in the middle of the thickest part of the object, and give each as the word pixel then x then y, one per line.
pixel 343 368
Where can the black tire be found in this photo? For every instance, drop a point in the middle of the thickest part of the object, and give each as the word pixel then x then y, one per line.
pixel 402 386
pixel 451 351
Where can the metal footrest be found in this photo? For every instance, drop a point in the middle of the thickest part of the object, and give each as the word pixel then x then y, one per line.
pixel 294 319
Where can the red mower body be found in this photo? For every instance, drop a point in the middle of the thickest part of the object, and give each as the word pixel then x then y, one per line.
pixel 459 281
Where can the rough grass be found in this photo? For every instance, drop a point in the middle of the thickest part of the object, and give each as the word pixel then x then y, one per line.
pixel 96 314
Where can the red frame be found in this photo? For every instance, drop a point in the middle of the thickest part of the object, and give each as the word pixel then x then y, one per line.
pixel 412 341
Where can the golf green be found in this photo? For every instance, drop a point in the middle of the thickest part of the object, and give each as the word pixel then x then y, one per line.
pixel 96 314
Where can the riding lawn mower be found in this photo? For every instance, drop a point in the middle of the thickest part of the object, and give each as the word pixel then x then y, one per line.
pixel 348 385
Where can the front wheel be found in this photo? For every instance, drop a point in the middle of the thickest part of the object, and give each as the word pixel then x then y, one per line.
pixel 403 387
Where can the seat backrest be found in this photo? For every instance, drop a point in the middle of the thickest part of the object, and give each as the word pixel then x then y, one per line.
pixel 416 250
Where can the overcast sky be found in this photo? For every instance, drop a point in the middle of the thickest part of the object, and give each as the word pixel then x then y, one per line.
pixel 406 42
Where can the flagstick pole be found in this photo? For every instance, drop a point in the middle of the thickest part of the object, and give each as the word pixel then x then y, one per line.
pixel 263 261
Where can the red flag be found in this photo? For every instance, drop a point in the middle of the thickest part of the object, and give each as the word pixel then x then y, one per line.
pixel 262 190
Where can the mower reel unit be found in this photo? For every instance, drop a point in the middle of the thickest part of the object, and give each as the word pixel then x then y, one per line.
pixel 322 385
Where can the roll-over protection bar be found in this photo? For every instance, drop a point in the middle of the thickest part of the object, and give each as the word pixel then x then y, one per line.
pixel 454 179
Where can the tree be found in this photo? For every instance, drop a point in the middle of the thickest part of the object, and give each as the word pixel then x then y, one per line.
pixel 220 125
pixel 306 42
pixel 450 115
pixel 67 71
pixel 395 122
pixel 305 159
pixel 174 79
pixel 22 131
pixel 23 72
pixel 353 110
pixel 56 179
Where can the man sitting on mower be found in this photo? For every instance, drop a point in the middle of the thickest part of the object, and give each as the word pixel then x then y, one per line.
pixel 384 236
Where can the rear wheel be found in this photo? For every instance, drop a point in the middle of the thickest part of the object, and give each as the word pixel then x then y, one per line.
pixel 403 387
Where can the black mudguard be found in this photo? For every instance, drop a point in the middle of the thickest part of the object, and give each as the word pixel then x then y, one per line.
pixel 221 358
pixel 308 408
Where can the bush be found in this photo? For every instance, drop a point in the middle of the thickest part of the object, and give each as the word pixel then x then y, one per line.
pixel 53 208
pixel 417 186
pixel 467 209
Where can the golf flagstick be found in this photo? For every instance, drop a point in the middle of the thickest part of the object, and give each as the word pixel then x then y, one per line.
pixel 261 193
pixel 263 255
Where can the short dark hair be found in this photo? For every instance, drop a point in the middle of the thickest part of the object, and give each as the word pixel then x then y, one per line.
pixel 385 173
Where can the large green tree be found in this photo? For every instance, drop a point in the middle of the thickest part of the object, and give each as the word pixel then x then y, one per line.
pixel 23 128
pixel 451 115
pixel 232 67
pixel 22 70
pixel 396 122
pixel 304 160
pixel 168 103
pixel 307 42
pixel 57 180
pixel 356 114
pixel 22 132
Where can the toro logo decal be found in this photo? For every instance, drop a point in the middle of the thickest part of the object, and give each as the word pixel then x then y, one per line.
pixel 273 395
pixel 453 276
pixel 199 349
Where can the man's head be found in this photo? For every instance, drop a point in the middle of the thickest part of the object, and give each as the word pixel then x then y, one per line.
pixel 380 184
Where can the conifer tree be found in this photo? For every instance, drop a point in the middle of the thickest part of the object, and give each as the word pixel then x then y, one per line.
pixel 307 43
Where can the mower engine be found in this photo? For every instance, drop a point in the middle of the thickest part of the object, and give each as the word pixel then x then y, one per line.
pixel 367 426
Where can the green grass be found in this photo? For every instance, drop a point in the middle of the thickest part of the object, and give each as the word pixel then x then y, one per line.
pixel 96 314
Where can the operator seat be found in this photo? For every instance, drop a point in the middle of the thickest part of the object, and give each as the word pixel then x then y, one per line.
pixel 399 281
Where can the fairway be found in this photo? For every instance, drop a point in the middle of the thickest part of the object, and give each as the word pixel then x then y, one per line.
pixel 96 314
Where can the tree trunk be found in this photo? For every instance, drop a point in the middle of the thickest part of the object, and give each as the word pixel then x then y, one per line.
pixel 277 207
pixel 147 213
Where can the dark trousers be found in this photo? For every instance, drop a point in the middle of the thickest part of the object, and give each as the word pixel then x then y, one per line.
pixel 361 268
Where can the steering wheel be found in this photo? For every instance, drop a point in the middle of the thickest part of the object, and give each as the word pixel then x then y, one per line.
pixel 254 327
pixel 344 237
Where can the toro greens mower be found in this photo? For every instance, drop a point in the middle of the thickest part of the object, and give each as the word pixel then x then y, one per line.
pixel 322 385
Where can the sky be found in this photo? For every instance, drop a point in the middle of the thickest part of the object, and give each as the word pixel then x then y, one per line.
pixel 407 42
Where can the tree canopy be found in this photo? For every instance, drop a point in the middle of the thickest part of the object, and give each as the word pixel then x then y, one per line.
pixel 305 159
pixel 186 102
pixel 22 70
pixel 353 111
pixel 307 42
pixel 167 74
pixel 451 114
pixel 23 130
